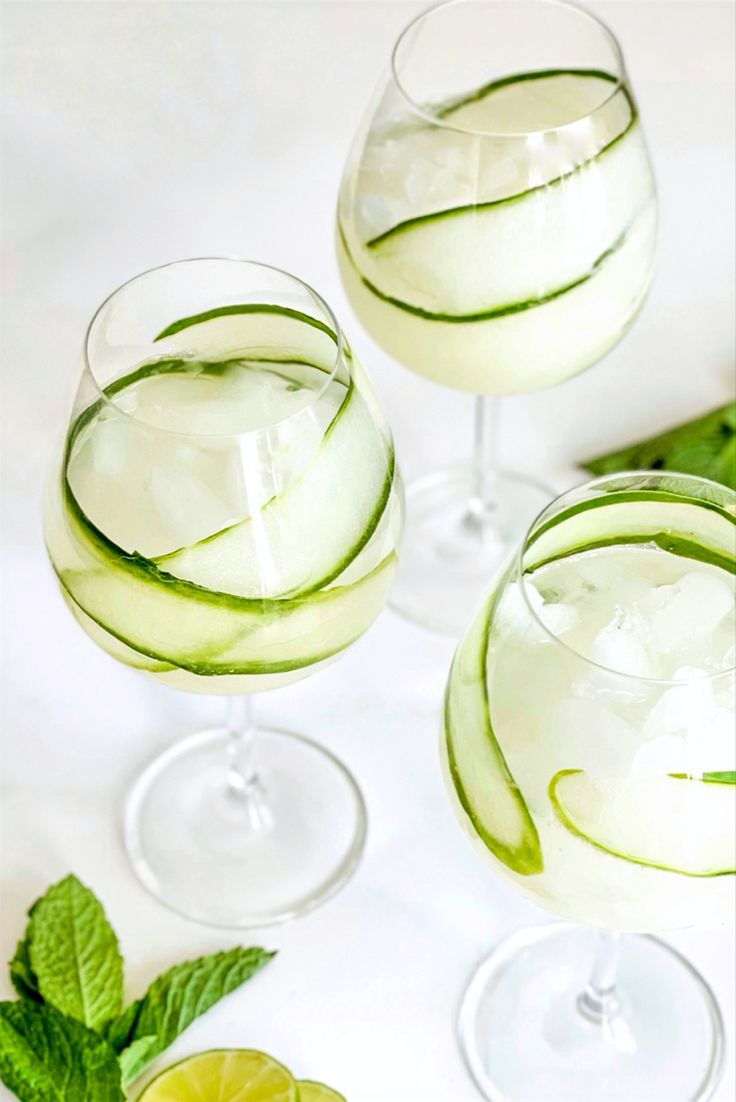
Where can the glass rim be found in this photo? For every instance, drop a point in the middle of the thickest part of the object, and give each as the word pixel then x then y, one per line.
pixel 107 400
pixel 519 574
pixel 438 121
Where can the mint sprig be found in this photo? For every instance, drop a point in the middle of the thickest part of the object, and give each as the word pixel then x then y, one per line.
pixel 68 1038
pixel 22 975
pixel 176 998
pixel 704 447
pixel 74 954
pixel 47 1057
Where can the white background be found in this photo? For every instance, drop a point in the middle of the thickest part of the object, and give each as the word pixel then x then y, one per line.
pixel 135 133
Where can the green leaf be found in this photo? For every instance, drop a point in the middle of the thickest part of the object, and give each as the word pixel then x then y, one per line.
pixel 176 998
pixel 705 447
pixel 727 776
pixel 74 954
pixel 134 1058
pixel 21 972
pixel 46 1057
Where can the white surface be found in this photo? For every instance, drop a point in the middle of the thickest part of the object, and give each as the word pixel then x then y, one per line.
pixel 137 133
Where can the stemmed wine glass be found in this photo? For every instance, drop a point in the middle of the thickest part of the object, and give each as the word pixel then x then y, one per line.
pixel 495 233
pixel 225 518
pixel 588 747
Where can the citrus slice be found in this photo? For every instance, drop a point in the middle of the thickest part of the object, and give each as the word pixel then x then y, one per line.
pixel 224 1075
pixel 317 1092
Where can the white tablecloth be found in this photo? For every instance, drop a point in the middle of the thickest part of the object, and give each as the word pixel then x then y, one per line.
pixel 136 133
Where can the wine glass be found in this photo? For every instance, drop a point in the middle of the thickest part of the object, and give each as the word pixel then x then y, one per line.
pixel 588 748
pixel 495 233
pixel 225 519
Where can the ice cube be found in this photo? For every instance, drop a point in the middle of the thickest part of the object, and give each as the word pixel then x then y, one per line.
pixel 111 444
pixel 514 616
pixel 691 716
pixel 689 609
pixel 681 709
pixel 589 736
pixel 624 645
pixel 660 756
pixel 188 507
pixel 558 617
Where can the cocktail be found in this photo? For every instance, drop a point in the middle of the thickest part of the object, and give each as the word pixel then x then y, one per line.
pixel 589 746
pixel 496 233
pixel 226 519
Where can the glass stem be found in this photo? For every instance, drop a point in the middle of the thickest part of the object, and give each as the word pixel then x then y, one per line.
pixel 599 1002
pixel 482 507
pixel 243 785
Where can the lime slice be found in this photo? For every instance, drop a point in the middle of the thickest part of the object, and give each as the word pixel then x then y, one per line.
pixel 224 1075
pixel 317 1092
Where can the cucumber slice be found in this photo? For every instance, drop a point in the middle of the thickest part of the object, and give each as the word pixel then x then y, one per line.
pixel 314 529
pixel 485 259
pixel 213 634
pixel 155 619
pixel 114 647
pixel 252 327
pixel 521 350
pixel 692 527
pixel 482 780
pixel 541 99
pixel 350 476
pixel 678 824
pixel 477 263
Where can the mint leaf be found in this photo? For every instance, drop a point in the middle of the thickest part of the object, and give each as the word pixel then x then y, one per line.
pixel 176 998
pixel 705 447
pixel 45 1057
pixel 134 1058
pixel 74 954
pixel 21 972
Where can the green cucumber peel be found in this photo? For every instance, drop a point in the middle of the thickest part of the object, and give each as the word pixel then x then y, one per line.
pixel 616 497
pixel 524 858
pixel 493 312
pixel 474 208
pixel 520 78
pixel 139 564
pixel 203 662
pixel 245 308
pixel 572 827
pixel 666 540
pixel 341 565
pixel 675 545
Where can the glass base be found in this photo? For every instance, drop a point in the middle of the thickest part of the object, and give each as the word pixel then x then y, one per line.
pixel 449 553
pixel 251 857
pixel 525 1040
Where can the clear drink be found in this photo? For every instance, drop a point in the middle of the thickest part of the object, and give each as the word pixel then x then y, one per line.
pixel 509 245
pixel 496 232
pixel 589 746
pixel 224 518
pixel 610 760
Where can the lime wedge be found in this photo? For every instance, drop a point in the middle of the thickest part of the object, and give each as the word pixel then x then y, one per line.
pixel 317 1092
pixel 224 1075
